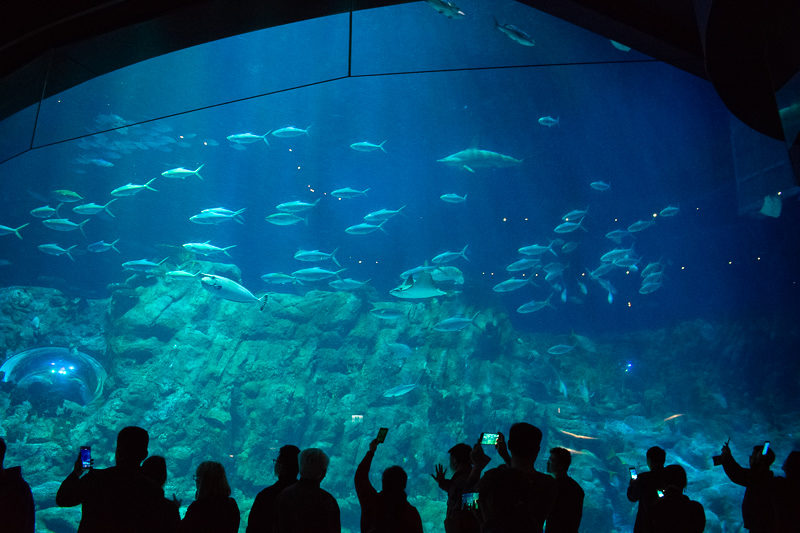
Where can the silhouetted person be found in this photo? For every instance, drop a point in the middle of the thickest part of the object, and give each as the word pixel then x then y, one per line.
pixel 115 499
pixel 568 509
pixel 305 507
pixel 16 499
pixel 168 515
pixel 787 495
pixel 515 498
pixel 675 512
pixel 264 513
pixel 387 511
pixel 213 510
pixel 758 512
pixel 644 489
pixel 457 519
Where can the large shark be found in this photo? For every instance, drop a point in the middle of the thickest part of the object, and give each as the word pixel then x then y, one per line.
pixel 473 158
pixel 416 289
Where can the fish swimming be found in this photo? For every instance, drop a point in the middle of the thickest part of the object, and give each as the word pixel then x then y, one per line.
pixel 182 173
pixel 143 265
pixel 575 435
pixel 537 249
pixel 600 185
pixel 285 219
pixel 180 274
pixel 279 278
pixel 130 189
pixel 382 214
pixel 45 211
pixel 453 198
pixel 511 284
pixel 560 349
pixel 290 131
pixel 473 158
pixel 228 289
pixel 54 249
pixel 569 227
pixel 534 305
pixel 455 323
pixel 549 121
pixel 640 225
pixel 315 274
pixel 316 256
pixel 387 313
pixel 574 214
pixel 365 146
pixel 62 224
pixel 65 196
pixel 102 246
pixel 618 234
pixel 347 284
pixel 364 228
pixel 449 257
pixel 400 390
pixel 515 34
pixel 669 211
pixel 418 288
pixel 446 7
pixel 296 206
pixel 247 138
pixel 217 216
pixel 204 248
pixel 347 192
pixel 5 230
pixel 93 209
pixel 526 263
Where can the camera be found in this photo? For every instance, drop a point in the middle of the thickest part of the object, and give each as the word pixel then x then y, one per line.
pixel 489 438
pixel 632 470
pixel 86 456
pixel 382 434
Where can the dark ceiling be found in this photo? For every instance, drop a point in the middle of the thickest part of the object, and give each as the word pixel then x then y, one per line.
pixel 744 51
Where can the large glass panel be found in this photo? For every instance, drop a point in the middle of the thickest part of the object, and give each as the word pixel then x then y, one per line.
pixel 239 277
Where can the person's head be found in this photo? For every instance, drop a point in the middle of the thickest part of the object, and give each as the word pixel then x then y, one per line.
pixel 132 444
pixel 524 440
pixel 211 480
pixel 559 461
pixel 2 452
pixel 155 469
pixel 674 478
pixel 759 460
pixel 656 457
pixel 394 479
pixel 313 464
pixel 791 466
pixel 286 466
pixel 460 456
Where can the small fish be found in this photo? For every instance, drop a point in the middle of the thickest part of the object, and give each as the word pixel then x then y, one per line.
pixel 45 211
pixel 652 268
pixel 446 7
pixel 5 230
pixel 602 270
pixel 400 390
pixel 575 435
pixel 616 253
pixel 648 288
pixel 453 198
pixel 526 263
pixel 640 225
pixel 228 289
pixel 382 214
pixel 448 257
pixel 560 349
pixel 93 209
pixel 102 246
pixel 386 313
pixel 600 185
pixel 62 224
pixel 669 211
pixel 290 131
pixel 285 219
pixel 180 274
pixel 54 249
pixel 65 196
pixel 315 274
pixel 204 248
pixel 569 247
pixel 130 189
pixel 247 138
pixel 142 265
pixel 347 192
pixel 365 146
pixel 569 227
pixel 217 216
pixel 279 278
pixel 549 121
pixel 575 214
pixel 511 284
pixel 618 234
pixel 296 206
pixel 364 228
pixel 516 35
pixel 455 323
pixel 182 173
pixel 347 284
pixel 534 305
pixel 673 417
pixel 316 256
pixel 473 158
pixel 536 249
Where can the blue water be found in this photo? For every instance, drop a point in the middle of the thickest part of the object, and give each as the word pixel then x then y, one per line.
pixel 658 136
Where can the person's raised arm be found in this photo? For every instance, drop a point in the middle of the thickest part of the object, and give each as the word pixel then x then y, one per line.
pixel 479 462
pixel 70 493
pixel 363 485
pixel 734 471
pixel 440 479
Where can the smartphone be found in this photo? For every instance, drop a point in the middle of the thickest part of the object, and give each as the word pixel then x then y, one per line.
pixel 765 449
pixel 660 493
pixel 469 500
pixel 632 470
pixel 86 456
pixel 489 438
pixel 382 434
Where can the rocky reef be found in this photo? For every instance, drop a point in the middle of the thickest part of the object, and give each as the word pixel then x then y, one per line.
pixel 217 380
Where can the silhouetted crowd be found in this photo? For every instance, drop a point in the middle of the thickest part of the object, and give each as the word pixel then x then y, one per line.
pixel 510 498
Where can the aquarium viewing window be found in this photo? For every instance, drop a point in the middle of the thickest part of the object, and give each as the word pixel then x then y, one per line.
pixel 395 218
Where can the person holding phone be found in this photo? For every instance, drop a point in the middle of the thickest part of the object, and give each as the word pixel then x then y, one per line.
pixel 388 510
pixel 758 512
pixel 644 487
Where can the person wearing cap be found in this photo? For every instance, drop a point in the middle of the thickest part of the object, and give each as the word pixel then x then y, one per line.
pixel 263 515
